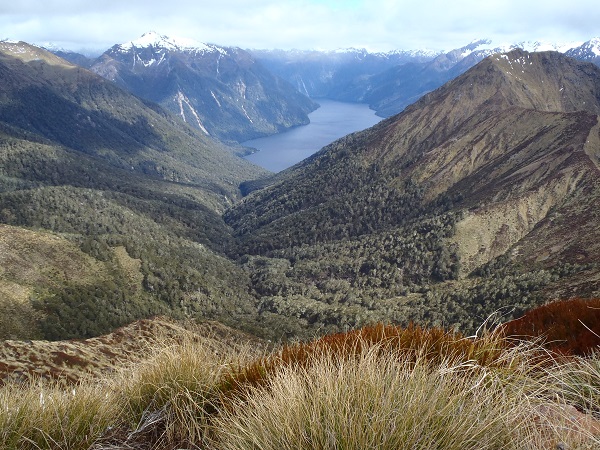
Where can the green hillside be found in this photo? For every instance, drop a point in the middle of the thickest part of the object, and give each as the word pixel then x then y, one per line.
pixel 129 195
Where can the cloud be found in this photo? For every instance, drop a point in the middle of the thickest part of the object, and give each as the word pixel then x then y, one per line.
pixel 324 24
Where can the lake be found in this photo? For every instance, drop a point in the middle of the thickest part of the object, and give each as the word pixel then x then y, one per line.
pixel 330 122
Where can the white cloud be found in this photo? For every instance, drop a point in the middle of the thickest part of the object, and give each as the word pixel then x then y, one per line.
pixel 375 24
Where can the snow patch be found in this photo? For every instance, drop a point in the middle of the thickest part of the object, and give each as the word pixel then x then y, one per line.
pixel 215 97
pixel 246 114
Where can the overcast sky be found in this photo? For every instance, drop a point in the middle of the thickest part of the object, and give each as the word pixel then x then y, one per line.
pixel 378 25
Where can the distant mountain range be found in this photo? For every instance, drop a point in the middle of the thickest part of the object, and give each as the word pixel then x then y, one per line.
pixel 235 95
pixel 389 82
pixel 330 74
pixel 222 91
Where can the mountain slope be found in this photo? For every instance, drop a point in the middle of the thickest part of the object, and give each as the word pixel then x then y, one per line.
pixel 492 165
pixel 221 91
pixel 72 361
pixel 391 91
pixel 45 95
pixel 113 205
pixel 389 82
pixel 588 51
pixel 334 74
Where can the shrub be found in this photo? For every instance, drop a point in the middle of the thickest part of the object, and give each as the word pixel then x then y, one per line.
pixel 432 344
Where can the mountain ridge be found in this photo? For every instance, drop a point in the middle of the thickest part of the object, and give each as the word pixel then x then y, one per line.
pixel 388 89
pixel 222 91
pixel 468 178
pixel 119 185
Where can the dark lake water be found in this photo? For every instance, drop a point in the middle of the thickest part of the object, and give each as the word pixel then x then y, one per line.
pixel 328 123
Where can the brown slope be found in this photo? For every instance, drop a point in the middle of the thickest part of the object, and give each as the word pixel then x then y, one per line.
pixel 69 361
pixel 546 82
pixel 524 141
pixel 447 136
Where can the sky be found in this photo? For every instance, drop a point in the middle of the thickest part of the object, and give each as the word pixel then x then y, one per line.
pixel 377 25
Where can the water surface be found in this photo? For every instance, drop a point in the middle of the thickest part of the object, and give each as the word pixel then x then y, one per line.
pixel 330 122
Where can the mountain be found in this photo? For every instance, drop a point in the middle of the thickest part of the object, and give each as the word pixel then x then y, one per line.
pixel 45 95
pixel 588 51
pixel 110 206
pixel 480 197
pixel 391 91
pixel 331 74
pixel 73 57
pixel 389 82
pixel 222 91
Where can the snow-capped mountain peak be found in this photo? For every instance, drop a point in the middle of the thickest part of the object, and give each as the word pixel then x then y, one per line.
pixel 595 46
pixel 155 40
pixel 588 51
pixel 592 46
pixel 478 46
pixel 543 46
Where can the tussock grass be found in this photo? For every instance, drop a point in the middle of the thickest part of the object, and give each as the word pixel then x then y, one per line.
pixel 379 387
pixel 385 398
pixel 169 397
pixel 578 382
pixel 434 345
pixel 45 415
pixel 162 400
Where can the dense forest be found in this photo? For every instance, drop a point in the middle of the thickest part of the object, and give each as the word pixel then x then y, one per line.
pixel 112 210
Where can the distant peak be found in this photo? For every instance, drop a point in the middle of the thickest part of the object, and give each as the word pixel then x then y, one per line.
pixel 29 52
pixel 152 39
pixel 593 45
pixel 478 43
pixel 543 46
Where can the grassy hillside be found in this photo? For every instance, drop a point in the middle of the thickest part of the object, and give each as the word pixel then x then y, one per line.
pixel 382 386
pixel 70 362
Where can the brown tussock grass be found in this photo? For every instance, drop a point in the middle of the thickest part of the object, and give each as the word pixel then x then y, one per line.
pixel 379 387
pixel 414 342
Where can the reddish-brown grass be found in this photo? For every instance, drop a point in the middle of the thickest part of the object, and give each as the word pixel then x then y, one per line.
pixel 433 344
pixel 569 327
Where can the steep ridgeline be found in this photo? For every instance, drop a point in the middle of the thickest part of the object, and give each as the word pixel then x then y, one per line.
pixel 589 51
pixel 389 82
pixel 110 208
pixel 482 195
pixel 391 91
pixel 222 91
